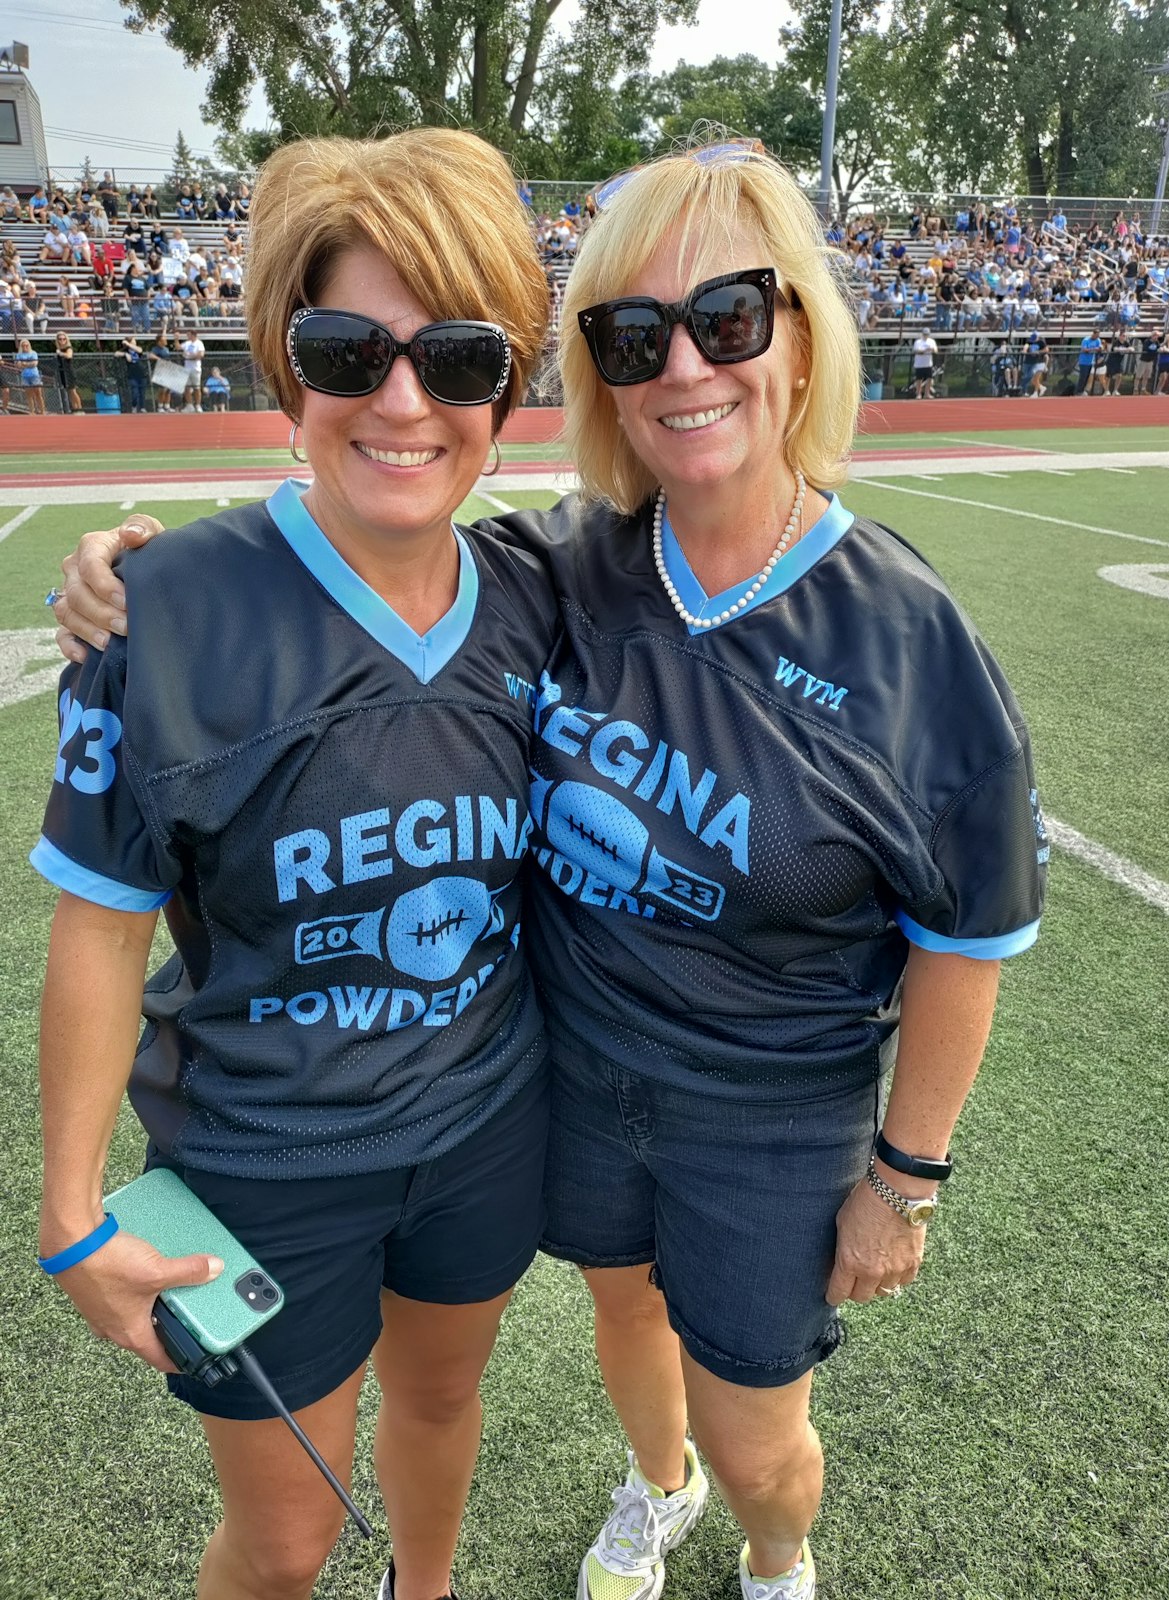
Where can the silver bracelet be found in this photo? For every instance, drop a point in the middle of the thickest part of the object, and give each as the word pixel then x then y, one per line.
pixel 916 1212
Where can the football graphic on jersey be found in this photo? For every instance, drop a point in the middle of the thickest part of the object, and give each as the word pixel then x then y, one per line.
pixel 597 832
pixel 432 929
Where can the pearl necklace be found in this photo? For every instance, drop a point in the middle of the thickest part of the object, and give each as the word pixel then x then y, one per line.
pixel 789 532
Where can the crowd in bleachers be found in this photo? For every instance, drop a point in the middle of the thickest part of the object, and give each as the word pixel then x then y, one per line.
pixel 161 266
pixel 105 257
pixel 991 270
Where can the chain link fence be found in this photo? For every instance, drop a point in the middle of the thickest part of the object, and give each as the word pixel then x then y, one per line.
pixel 102 382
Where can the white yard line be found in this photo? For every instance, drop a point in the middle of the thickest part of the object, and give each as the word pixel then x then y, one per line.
pixel 493 501
pixel 1128 471
pixel 993 444
pixel 1055 472
pixel 1116 868
pixel 127 505
pixel 17 522
pixel 222 502
pixel 1009 511
pixel 927 477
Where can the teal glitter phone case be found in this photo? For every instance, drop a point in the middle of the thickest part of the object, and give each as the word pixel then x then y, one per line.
pixel 159 1208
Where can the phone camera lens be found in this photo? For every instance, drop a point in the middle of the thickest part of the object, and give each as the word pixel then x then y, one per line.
pixel 269 1294
pixel 256 1279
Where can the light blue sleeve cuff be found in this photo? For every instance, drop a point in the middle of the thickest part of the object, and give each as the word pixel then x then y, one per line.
pixel 996 948
pixel 66 873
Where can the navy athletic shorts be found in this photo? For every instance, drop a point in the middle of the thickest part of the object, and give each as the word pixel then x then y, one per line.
pixel 733 1202
pixel 459 1229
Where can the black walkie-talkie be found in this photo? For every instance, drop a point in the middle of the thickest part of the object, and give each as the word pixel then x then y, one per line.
pixel 192 1360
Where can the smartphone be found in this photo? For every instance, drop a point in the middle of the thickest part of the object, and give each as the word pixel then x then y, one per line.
pixel 159 1208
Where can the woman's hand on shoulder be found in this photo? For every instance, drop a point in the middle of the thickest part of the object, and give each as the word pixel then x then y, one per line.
pixel 115 1289
pixel 92 603
pixel 877 1251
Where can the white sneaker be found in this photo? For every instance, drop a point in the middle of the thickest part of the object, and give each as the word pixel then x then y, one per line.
pixel 627 1559
pixel 798 1584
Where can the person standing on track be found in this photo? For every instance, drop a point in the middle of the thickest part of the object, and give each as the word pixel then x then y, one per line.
pixel 193 353
pixel 66 382
pixel 925 353
pixel 783 801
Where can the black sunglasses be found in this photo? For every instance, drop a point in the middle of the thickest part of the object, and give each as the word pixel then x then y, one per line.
pixel 341 353
pixel 730 318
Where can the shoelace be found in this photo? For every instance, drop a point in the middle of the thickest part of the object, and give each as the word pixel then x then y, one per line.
pixel 634 1517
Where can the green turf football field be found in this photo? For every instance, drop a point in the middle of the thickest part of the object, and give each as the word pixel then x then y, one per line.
pixel 999 1433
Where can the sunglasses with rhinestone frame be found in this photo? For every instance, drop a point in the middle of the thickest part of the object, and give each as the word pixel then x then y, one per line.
pixel 629 338
pixel 339 353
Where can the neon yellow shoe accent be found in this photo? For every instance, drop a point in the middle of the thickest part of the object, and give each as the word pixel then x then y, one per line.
pixel 798 1583
pixel 627 1558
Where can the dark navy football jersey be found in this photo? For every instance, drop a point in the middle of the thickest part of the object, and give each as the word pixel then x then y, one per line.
pixel 334 812
pixel 741 829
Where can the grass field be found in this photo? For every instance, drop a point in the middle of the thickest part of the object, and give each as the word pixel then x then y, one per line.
pixel 999 1433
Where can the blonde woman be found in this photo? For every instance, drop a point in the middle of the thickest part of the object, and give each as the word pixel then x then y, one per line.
pixel 370 1117
pixel 782 797
pixel 66 382
pixel 28 364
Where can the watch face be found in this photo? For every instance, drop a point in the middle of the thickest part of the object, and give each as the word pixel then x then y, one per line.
pixel 920 1211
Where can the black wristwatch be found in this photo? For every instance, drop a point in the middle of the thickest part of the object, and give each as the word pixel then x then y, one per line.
pixel 912 1166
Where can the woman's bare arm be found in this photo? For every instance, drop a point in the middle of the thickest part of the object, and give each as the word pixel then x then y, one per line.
pixel 946 1009
pixel 89 1032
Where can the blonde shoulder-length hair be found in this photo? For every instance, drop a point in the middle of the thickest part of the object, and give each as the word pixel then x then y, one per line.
pixel 711 201
pixel 439 204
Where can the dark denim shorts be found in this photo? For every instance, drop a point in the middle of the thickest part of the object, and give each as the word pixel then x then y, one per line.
pixel 453 1231
pixel 733 1202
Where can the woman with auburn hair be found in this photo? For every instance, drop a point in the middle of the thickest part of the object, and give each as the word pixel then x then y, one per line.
pixel 345 1060
pixel 782 799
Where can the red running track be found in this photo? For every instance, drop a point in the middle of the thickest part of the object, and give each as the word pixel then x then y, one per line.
pixel 268 430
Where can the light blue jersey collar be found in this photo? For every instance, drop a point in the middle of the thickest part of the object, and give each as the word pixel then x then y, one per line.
pixel 817 542
pixel 425 655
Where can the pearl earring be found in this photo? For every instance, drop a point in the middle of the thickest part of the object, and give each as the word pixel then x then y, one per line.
pixel 801 383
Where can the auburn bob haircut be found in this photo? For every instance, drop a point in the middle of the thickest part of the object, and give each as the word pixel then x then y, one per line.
pixel 710 202
pixel 441 206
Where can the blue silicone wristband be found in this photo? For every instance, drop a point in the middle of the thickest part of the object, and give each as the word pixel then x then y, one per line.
pixel 64 1259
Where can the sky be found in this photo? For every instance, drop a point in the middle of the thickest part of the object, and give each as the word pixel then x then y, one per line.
pixel 121 98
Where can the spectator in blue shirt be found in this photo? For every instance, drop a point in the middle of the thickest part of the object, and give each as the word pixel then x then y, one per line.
pixel 1091 351
pixel 217 391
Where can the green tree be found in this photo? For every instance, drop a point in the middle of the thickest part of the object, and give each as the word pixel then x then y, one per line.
pixel 184 167
pixel 741 93
pixel 363 66
pixel 1041 96
pixel 874 111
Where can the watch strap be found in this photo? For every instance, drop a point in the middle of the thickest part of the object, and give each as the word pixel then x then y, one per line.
pixel 914 1211
pixel 912 1166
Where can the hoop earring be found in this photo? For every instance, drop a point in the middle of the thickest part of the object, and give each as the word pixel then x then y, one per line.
pixel 300 460
pixel 495 468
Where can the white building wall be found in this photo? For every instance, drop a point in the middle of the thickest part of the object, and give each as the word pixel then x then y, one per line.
pixel 27 163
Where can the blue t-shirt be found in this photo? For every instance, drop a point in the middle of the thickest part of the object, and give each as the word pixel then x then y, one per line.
pixel 1089 350
pixel 740 830
pixel 334 812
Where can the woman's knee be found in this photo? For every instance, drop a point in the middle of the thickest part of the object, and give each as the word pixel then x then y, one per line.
pixel 282 1556
pixel 626 1297
pixel 757 1468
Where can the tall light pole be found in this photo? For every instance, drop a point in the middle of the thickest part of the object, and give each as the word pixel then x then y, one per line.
pixel 1163 130
pixel 828 136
